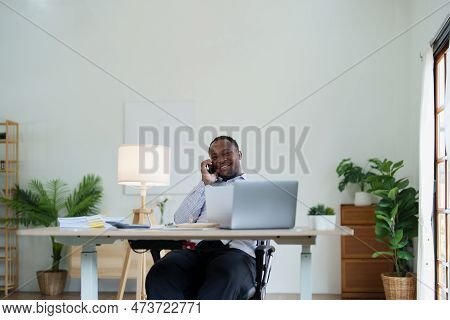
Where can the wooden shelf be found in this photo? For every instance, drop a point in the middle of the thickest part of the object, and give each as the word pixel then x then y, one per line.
pixel 10 190
pixel 12 285
pixel 8 141
pixel 9 172
pixel 2 287
pixel 7 258
pixel 9 123
pixel 9 288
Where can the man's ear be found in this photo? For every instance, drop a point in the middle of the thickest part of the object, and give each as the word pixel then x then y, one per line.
pixel 240 155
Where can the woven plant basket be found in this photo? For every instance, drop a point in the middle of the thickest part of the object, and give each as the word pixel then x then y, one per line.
pixel 399 288
pixel 51 282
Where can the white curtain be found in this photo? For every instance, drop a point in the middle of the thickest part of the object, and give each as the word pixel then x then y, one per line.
pixel 425 259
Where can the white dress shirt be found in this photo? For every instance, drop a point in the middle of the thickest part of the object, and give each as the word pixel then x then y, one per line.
pixel 193 209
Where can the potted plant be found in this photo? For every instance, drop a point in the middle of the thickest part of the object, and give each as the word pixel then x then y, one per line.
pixel 41 205
pixel 352 173
pixel 321 217
pixel 396 218
pixel 161 204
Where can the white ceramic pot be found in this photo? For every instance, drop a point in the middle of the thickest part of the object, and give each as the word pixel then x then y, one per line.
pixel 325 222
pixel 312 222
pixel 363 199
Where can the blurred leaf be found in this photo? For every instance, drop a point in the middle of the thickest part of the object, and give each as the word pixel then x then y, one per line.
pixel 380 253
pixel 405 255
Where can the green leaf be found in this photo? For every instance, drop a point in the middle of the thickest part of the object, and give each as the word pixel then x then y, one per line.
pixel 394 212
pixel 381 230
pixel 396 167
pixel 382 225
pixel 85 199
pixel 382 212
pixel 405 255
pixel 383 204
pixel 381 193
pixel 383 218
pixel 393 193
pixel 400 245
pixel 398 237
pixel 30 208
pixel 382 253
pixel 402 183
pixel 56 190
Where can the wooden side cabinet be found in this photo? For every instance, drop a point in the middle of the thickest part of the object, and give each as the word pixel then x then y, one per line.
pixel 360 273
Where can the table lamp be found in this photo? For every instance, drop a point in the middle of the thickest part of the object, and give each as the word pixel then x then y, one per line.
pixel 141 166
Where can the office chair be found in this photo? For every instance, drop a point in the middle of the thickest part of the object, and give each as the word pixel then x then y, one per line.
pixel 263 253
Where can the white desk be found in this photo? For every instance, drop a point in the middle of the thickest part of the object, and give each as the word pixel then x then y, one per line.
pixel 89 239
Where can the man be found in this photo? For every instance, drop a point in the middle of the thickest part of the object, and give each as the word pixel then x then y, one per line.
pixel 216 270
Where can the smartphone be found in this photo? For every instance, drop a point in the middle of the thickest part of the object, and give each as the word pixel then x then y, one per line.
pixel 211 169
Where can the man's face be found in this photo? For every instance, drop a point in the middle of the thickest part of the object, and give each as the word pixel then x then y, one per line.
pixel 225 158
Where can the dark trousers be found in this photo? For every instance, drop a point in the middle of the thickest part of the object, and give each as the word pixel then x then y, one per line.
pixel 210 272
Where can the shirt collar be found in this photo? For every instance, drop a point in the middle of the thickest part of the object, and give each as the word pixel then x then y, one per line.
pixel 242 176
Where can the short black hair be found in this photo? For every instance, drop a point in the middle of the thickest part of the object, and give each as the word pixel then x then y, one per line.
pixel 225 138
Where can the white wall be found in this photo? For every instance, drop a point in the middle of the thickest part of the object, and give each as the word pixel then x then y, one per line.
pixel 252 59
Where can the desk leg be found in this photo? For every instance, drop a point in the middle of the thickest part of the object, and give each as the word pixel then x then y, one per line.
pixel 305 273
pixel 89 276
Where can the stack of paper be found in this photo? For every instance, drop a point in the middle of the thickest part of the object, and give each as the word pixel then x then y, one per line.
pixel 95 221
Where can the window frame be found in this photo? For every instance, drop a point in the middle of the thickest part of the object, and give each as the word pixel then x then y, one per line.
pixel 441 46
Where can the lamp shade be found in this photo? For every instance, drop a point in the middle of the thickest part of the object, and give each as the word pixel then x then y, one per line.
pixel 143 165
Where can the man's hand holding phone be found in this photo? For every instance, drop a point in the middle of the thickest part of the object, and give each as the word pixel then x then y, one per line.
pixel 209 176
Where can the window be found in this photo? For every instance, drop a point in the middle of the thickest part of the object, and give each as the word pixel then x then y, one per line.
pixel 442 174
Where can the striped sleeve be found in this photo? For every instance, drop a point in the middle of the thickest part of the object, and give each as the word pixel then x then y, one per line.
pixel 192 206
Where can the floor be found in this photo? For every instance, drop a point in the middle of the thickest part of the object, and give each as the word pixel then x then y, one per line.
pixel 131 296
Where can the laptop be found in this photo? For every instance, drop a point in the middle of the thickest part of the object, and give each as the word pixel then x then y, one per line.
pixel 253 204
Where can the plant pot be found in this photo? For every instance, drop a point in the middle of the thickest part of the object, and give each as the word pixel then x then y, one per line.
pixel 323 222
pixel 399 288
pixel 312 221
pixel 363 199
pixel 51 282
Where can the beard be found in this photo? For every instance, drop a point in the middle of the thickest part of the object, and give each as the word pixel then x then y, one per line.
pixel 228 172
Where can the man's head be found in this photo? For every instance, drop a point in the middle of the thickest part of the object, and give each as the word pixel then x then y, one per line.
pixel 225 156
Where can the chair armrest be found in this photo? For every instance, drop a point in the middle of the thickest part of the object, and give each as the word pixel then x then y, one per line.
pixel 265 249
